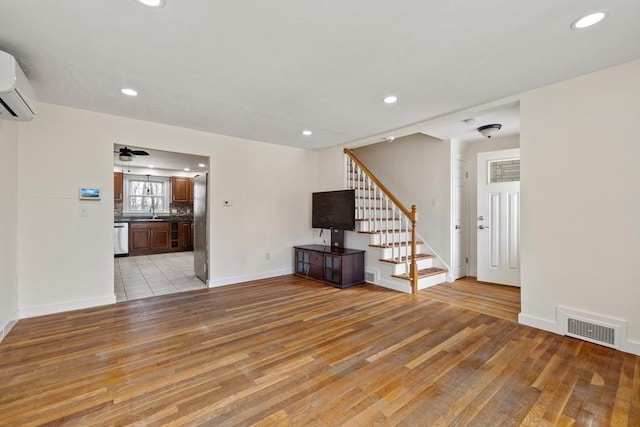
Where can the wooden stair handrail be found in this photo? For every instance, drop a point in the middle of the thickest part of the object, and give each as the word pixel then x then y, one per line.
pixel 411 214
pixel 380 185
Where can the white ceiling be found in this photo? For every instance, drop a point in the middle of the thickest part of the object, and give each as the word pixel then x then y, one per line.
pixel 160 159
pixel 266 70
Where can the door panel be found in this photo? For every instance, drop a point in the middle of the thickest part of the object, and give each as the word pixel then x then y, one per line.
pixel 459 221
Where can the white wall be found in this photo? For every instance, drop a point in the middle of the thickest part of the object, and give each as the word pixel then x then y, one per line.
pixel 470 156
pixel 580 163
pixel 9 221
pixel 66 261
pixel 417 169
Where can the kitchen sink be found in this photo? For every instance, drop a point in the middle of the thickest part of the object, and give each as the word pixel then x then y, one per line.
pixel 148 219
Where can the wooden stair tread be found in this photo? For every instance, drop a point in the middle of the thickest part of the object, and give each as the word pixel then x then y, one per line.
pixel 403 259
pixel 421 273
pixel 395 245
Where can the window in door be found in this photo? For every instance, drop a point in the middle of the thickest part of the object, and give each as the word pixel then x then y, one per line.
pixel 504 170
pixel 144 194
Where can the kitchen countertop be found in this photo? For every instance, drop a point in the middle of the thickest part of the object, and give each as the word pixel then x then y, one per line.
pixel 158 219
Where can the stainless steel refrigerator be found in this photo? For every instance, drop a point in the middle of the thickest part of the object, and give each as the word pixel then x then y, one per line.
pixel 200 226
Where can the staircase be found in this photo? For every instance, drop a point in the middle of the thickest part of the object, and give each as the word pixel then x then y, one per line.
pixel 396 256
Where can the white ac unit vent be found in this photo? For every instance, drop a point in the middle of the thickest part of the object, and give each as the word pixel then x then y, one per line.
pixel 17 99
pixel 369 277
pixel 591 327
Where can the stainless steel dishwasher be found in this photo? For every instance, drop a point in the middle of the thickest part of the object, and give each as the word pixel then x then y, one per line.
pixel 121 238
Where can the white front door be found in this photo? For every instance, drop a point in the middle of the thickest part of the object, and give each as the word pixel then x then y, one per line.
pixel 459 221
pixel 498 221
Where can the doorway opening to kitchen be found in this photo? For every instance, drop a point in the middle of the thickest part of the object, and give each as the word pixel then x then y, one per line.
pixel 160 222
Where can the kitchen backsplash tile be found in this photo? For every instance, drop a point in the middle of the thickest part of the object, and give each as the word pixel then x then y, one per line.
pixel 181 209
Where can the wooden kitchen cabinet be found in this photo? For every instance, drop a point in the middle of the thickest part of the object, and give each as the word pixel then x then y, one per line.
pixel 185 235
pixel 149 238
pixel 117 186
pixel 181 189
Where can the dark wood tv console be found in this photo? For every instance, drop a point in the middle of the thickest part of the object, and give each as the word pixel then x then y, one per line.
pixel 339 267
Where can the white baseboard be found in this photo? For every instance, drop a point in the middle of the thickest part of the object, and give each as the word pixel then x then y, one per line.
pixel 632 347
pixel 249 277
pixel 41 310
pixel 6 328
pixel 539 323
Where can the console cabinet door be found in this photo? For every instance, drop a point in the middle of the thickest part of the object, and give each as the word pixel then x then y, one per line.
pixel 333 269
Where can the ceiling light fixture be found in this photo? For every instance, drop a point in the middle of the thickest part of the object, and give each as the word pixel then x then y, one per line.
pixel 589 20
pixel 126 157
pixel 187 169
pixel 201 165
pixel 489 130
pixel 307 132
pixel 129 92
pixel 151 166
pixel 152 3
pixel 391 99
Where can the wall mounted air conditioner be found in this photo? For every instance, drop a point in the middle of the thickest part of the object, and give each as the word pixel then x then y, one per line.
pixel 17 99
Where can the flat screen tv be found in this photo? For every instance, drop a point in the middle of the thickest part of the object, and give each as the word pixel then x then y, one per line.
pixel 334 210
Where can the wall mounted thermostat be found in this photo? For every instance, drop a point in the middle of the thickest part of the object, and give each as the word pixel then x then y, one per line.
pixel 89 194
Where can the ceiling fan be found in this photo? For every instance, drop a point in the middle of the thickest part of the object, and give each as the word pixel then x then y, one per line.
pixel 126 154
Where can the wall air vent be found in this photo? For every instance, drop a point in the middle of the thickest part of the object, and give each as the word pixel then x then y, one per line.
pixel 591 327
pixel 591 331
pixel 369 277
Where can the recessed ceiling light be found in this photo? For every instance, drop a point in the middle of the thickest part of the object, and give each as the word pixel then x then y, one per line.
pixel 151 166
pixel 307 132
pixel 129 92
pixel 202 165
pixel 187 169
pixel 589 20
pixel 391 99
pixel 152 3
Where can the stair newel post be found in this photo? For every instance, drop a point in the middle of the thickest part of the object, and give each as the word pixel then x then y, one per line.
pixel 414 265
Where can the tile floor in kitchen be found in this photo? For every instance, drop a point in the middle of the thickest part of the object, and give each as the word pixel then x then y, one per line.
pixel 149 275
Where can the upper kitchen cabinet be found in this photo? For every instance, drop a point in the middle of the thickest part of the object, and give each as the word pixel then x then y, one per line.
pixel 181 189
pixel 117 186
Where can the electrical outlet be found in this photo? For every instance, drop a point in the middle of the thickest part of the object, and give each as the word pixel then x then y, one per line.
pixel 267 256
pixel 84 211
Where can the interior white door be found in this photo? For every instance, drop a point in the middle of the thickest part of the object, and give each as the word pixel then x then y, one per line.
pixel 498 221
pixel 459 212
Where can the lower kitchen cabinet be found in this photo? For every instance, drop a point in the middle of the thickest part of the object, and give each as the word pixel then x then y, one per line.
pixel 149 238
pixel 185 235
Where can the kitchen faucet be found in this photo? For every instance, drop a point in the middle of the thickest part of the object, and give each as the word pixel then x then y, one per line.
pixel 152 209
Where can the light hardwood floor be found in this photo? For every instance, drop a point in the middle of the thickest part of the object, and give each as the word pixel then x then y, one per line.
pixel 291 352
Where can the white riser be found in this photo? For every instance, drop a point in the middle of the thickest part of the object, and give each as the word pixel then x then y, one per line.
pixel 364 214
pixel 424 283
pixel 429 281
pixel 377 225
pixel 390 269
pixel 401 251
pixel 378 239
